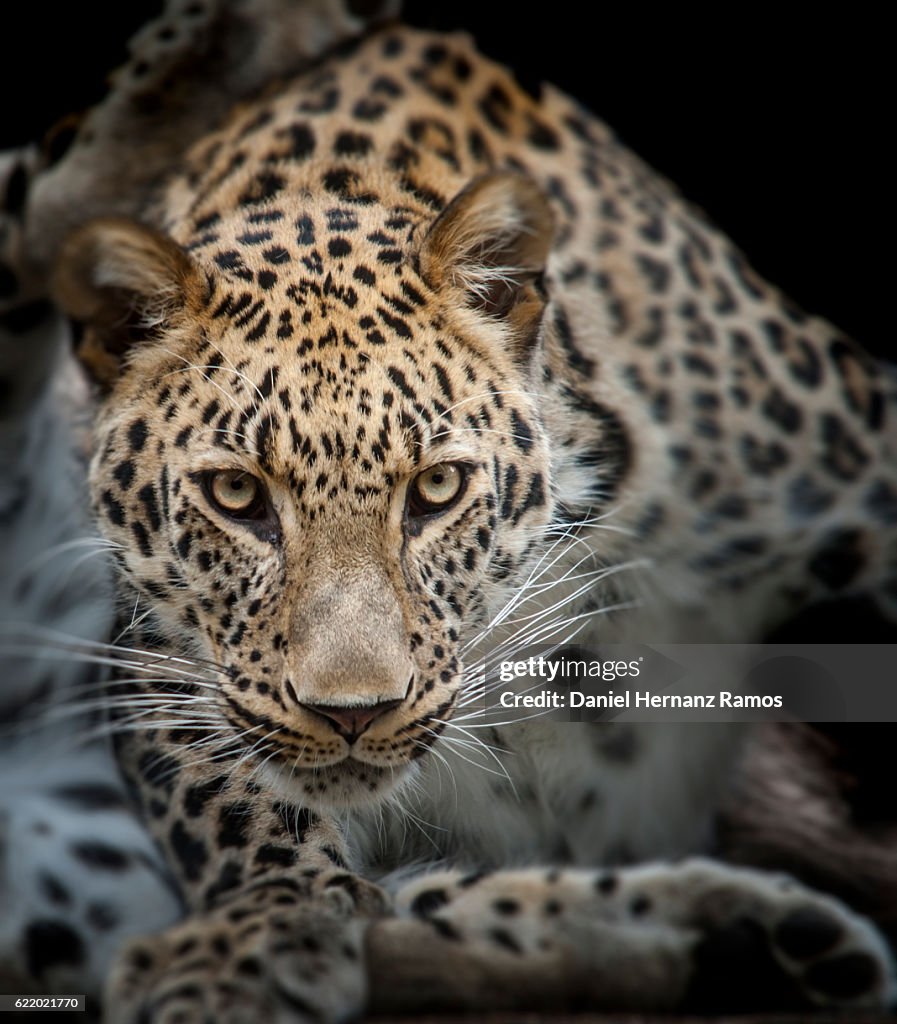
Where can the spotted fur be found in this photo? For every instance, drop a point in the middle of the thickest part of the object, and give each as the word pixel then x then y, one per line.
pixel 394 261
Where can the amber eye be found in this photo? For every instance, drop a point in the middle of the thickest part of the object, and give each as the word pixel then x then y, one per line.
pixel 236 494
pixel 436 488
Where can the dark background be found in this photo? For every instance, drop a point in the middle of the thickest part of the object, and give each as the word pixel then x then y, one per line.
pixel 778 127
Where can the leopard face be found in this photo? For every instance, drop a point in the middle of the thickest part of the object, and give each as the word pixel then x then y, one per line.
pixel 327 507
pixel 399 272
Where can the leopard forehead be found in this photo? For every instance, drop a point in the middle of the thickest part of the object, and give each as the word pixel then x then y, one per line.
pixel 333 423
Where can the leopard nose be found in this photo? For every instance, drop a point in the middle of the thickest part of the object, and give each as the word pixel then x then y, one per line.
pixel 351 722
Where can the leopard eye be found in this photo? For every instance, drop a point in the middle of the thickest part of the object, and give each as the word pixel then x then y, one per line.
pixel 436 488
pixel 236 494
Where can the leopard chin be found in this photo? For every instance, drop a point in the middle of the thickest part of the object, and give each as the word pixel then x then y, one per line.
pixel 348 785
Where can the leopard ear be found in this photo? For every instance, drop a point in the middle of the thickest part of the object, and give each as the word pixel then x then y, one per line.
pixel 491 243
pixel 124 283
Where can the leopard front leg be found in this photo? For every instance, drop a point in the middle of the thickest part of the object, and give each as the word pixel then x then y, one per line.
pixel 695 936
pixel 275 918
pixel 277 951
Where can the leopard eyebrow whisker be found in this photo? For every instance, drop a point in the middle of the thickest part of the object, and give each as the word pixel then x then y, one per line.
pixel 233 367
pixel 230 432
pixel 202 370
pixel 519 392
pixel 480 430
pixel 193 368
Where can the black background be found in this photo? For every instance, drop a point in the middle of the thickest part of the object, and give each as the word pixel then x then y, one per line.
pixel 779 127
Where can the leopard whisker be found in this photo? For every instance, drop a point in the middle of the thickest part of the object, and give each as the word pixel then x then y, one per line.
pixel 158 660
pixel 486 395
pixel 76 703
pixel 275 750
pixel 441 761
pixel 455 743
pixel 521 597
pixel 546 631
pixel 249 753
pixel 229 432
pixel 40 560
pixel 483 690
pixel 397 800
pixel 234 369
pixel 95 659
pixel 203 368
pixel 222 747
pixel 583 588
pixel 137 723
pixel 518 597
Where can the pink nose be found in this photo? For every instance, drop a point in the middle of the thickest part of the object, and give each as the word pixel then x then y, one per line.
pixel 351 722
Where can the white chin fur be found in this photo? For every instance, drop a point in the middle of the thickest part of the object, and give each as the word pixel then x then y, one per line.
pixel 346 786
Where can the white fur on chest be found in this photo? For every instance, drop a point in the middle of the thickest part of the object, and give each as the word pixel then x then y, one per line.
pixel 562 793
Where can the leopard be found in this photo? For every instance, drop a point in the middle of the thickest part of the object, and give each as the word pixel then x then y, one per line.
pixel 389 368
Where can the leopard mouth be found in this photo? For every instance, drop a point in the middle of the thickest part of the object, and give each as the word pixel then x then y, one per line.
pixel 349 782
pixel 301 750
pixel 327 774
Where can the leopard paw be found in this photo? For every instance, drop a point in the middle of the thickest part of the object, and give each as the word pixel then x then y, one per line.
pixel 347 893
pixel 243 964
pixel 767 942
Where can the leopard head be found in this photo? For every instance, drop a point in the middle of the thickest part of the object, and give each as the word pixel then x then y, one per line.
pixel 321 477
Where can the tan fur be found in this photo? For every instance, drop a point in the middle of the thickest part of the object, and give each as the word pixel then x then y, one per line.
pixel 398 259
